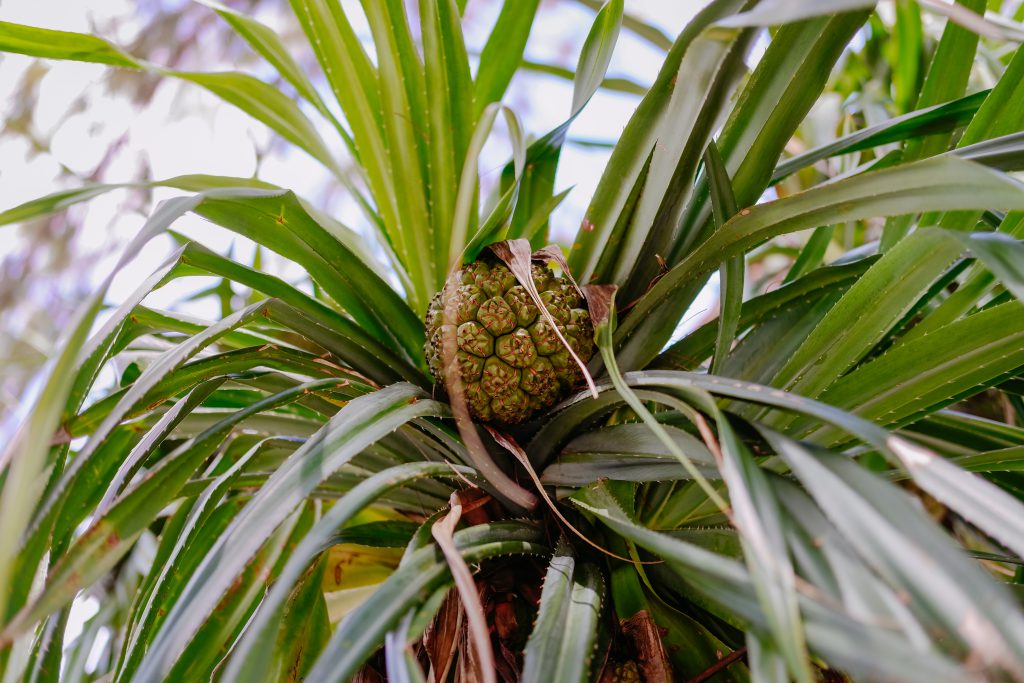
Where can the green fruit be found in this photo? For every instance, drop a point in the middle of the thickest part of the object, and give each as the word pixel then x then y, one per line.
pixel 510 360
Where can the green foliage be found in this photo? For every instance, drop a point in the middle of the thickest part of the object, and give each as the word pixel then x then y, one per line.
pixel 812 480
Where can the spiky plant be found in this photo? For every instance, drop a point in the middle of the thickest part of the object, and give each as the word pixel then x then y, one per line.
pixel 793 490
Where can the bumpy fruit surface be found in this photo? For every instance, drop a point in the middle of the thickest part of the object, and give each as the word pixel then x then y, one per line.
pixel 510 361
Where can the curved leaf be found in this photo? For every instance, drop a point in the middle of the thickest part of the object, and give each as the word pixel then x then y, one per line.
pixel 942 183
pixel 48 44
pixel 363 421
pixel 363 629
pixel 251 657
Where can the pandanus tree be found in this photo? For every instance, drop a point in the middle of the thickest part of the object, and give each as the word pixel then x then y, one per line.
pixel 553 485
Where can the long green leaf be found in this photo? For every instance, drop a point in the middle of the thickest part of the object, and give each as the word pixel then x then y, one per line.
pixel 167 363
pixel 221 365
pixel 709 72
pixel 759 518
pixel 363 629
pixel 400 83
pixel 934 370
pixel 201 657
pixel 724 581
pixel 354 81
pixel 576 658
pixel 503 52
pixel 899 541
pixel 543 648
pixel 538 176
pixel 111 535
pixel 251 657
pixel 304 313
pixel 268 105
pixel 1003 460
pixel 946 80
pixel 1001 254
pixel 268 44
pixel 936 119
pixel 263 102
pixel 626 452
pixel 877 301
pixel 943 183
pixel 362 422
pixel 28 452
pixel 448 88
pixel 63 199
pixel 691 350
pixel 608 215
pixel 280 222
pixel 731 273
pixel 180 559
pixel 785 85
pixel 40 42
pixel 306 626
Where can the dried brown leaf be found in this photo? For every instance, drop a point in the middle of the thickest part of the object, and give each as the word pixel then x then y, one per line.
pixel 650 650
pixel 517 256
pixel 443 532
pixel 442 637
